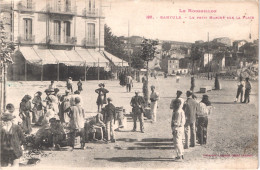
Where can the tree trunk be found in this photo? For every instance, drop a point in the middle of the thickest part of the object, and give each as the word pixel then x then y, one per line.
pixel 1 87
pixel 147 85
pixel 5 84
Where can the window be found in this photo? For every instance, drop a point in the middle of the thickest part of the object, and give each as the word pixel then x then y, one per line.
pixel 29 4
pixel 57 31
pixel 91 34
pixel 27 29
pixel 57 5
pixel 67 5
pixel 67 31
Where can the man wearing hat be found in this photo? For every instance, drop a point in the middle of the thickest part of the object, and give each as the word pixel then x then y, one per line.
pixel 154 97
pixel 138 103
pixel 190 109
pixel 77 122
pixel 109 120
pixel 11 140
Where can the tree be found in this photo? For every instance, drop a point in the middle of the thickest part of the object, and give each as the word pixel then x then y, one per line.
pixel 147 54
pixel 6 50
pixel 114 45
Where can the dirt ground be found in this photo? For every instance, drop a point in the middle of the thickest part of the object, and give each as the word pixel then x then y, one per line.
pixel 232 130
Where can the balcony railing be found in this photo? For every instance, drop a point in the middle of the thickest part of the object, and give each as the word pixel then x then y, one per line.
pixel 90 12
pixel 90 42
pixel 62 9
pixel 26 6
pixel 26 38
pixel 57 39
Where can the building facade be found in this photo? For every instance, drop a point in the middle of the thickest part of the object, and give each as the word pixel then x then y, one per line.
pixel 71 32
pixel 173 66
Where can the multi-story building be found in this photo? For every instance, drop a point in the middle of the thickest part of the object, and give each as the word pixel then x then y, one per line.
pixel 223 40
pixel 173 65
pixel 54 34
pixel 239 43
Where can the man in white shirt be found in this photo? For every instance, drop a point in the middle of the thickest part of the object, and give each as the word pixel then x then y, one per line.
pixel 129 82
pixel 154 97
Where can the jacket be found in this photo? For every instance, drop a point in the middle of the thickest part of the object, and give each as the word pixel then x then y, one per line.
pixel 12 140
pixel 110 112
pixel 190 109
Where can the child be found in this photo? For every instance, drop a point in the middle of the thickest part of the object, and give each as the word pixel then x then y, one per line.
pixel 80 85
pixel 177 125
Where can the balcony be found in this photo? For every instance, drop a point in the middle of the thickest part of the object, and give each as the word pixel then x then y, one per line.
pixel 26 39
pixel 58 40
pixel 26 7
pixel 61 9
pixel 90 42
pixel 90 12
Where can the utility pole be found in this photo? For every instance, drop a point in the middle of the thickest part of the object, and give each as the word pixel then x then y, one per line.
pixel 128 50
pixel 208 56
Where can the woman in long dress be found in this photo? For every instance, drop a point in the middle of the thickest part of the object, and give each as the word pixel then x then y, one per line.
pixel 101 99
pixel 25 109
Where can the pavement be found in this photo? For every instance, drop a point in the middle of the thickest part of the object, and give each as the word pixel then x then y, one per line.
pixel 232 129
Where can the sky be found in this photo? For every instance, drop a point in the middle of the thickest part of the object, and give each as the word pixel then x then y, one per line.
pixel 119 13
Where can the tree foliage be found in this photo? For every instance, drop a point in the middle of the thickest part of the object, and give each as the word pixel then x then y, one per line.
pixel 114 45
pixel 6 48
pixel 148 49
pixel 166 46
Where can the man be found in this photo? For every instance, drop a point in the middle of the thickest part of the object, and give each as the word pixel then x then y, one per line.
pixel 247 91
pixel 240 90
pixel 178 96
pixel 110 118
pixel 154 97
pixel 129 83
pixel 77 121
pixel 69 84
pixel 138 103
pixel 177 125
pixel 52 86
pixel 190 109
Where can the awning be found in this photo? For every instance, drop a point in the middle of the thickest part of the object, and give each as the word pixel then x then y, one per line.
pixel 61 57
pixel 117 61
pixel 46 56
pixel 90 61
pixel 74 57
pixel 103 62
pixel 78 57
pixel 30 55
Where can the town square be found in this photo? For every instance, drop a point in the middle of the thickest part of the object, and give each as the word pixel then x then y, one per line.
pixel 90 84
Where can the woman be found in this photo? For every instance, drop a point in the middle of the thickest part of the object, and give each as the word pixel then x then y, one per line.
pixel 37 108
pixel 24 113
pixel 11 140
pixel 101 99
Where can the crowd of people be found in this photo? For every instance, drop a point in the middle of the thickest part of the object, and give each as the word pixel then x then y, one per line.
pixel 189 121
pixel 61 117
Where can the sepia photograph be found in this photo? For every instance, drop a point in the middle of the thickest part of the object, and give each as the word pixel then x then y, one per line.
pixel 129 84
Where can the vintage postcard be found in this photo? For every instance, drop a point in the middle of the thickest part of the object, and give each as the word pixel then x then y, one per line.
pixel 143 84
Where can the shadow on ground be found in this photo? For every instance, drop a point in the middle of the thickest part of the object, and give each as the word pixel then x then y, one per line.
pixel 135 159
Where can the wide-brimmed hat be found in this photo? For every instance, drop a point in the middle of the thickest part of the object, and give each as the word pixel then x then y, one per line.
pixel 109 99
pixel 77 92
pixel 179 92
pixel 7 117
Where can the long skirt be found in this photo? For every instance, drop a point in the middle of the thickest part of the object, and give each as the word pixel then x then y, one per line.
pixel 27 125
